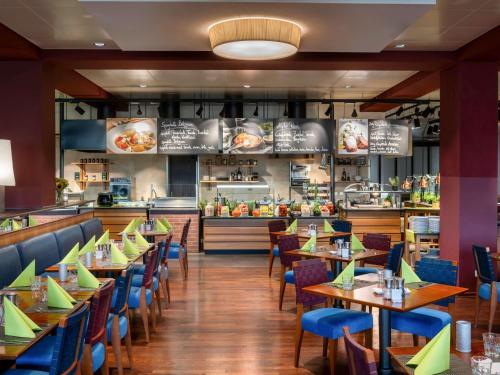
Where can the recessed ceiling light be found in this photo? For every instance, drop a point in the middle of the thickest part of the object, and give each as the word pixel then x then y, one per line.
pixel 247 86
pixel 400 45
pixel 143 85
pixel 99 44
pixel 347 86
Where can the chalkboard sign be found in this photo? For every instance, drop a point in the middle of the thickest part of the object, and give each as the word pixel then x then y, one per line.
pixel 188 136
pixel 390 137
pixel 302 136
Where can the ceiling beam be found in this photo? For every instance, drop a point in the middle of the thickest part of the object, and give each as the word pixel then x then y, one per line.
pixel 77 86
pixel 14 47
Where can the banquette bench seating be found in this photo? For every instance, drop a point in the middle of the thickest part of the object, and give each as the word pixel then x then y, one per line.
pixel 47 249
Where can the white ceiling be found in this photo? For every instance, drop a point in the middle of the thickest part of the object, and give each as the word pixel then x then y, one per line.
pixel 364 84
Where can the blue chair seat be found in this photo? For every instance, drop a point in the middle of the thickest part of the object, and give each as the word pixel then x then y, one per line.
pixel 421 322
pixel 39 356
pixel 364 270
pixel 137 281
pixel 484 291
pixel 123 322
pixel 24 372
pixel 276 251
pixel 173 252
pixel 175 244
pixel 289 277
pixel 133 297
pixel 329 322
pixel 98 355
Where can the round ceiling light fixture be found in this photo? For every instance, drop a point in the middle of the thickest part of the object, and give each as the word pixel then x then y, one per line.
pixel 255 38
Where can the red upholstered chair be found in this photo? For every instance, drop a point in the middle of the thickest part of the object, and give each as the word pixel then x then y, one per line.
pixel 287 243
pixel 360 360
pixel 274 226
pixel 163 271
pixel 376 241
pixel 94 351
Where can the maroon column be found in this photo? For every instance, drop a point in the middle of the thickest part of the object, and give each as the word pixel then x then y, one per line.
pixel 28 120
pixel 468 162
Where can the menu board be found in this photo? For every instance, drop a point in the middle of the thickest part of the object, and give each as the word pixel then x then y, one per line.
pixel 188 136
pixel 247 136
pixel 302 136
pixel 131 136
pixel 352 137
pixel 390 137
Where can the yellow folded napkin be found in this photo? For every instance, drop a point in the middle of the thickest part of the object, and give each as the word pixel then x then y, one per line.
pixel 408 274
pixel 104 239
pixel 129 229
pixel 24 278
pixel 139 240
pixel 130 249
pixel 85 277
pixel 166 223
pixel 433 358
pixel 292 227
pixel 89 247
pixel 117 257
pixel 356 244
pixel 309 244
pixel 5 223
pixel 410 236
pixel 31 221
pixel 72 256
pixel 347 272
pixel 16 225
pixel 17 323
pixel 327 227
pixel 57 296
pixel 159 227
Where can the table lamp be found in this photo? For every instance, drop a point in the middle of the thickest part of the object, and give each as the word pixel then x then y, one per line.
pixel 6 169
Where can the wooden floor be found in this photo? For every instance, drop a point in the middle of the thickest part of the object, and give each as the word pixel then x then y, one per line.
pixel 224 320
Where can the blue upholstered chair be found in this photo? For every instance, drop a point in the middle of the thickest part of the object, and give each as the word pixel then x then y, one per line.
pixel 67 238
pixel 10 265
pixel 341 226
pixel 118 325
pixel 486 286
pixel 178 250
pixel 90 228
pixel 425 321
pixel 274 226
pixel 59 354
pixel 326 322
pixel 393 261
pixel 43 248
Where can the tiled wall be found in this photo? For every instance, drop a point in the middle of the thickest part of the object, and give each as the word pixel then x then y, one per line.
pixel 178 220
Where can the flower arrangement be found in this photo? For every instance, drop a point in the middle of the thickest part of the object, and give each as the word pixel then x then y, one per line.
pixel 61 184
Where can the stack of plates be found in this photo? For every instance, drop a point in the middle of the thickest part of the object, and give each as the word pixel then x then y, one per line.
pixel 419 224
pixel 433 224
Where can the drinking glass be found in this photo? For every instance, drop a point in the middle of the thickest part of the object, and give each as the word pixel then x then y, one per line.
pixel 491 343
pixel 380 278
pixel 347 282
pixel 480 365
pixel 36 282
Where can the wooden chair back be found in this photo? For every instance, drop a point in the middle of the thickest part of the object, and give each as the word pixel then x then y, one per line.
pixel 360 360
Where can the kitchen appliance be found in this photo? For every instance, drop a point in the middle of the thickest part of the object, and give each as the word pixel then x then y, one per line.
pixel 299 174
pixel 121 188
pixel 105 199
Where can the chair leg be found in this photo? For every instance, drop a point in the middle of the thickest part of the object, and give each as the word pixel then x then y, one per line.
pixel 167 285
pixel 415 340
pixel 104 370
pixel 493 305
pixel 143 308
pixel 128 343
pixel 298 344
pixel 477 303
pixel 87 360
pixel 325 347
pixel 271 258
pixel 158 300
pixel 116 343
pixel 153 312
pixel 282 286
pixel 332 353
pixel 369 338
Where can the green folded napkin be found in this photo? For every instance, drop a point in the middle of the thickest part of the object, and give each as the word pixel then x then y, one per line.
pixel 159 227
pixel 292 227
pixel 309 244
pixel 17 323
pixel 356 244
pixel 32 222
pixel 85 277
pixel 16 225
pixel 57 296
pixel 5 223
pixel 327 227
pixel 433 358
pixel 104 239
pixel 129 229
pixel 72 256
pixel 347 272
pixel 166 223
pixel 408 274
pixel 89 247
pixel 117 257
pixel 24 278
pixel 139 240
pixel 130 249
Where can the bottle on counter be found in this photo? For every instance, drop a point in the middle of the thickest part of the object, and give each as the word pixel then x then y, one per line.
pixel 344 175
pixel 239 175
pixel 209 209
pixel 283 210
pixel 305 210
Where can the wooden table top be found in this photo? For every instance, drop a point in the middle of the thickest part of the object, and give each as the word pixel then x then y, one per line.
pixel 476 346
pixel 495 256
pixel 417 298
pixel 326 254
pixel 48 321
pixel 106 265
pixel 304 234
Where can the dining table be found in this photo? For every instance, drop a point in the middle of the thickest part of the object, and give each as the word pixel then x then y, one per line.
pixel 30 302
pixel 304 234
pixel 149 235
pixel 421 294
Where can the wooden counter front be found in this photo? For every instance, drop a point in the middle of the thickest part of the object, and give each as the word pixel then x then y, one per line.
pixel 116 219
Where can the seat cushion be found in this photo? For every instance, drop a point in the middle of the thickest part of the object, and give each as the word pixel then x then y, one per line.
pixel 137 281
pixel 67 238
pixel 289 277
pixel 24 372
pixel 484 291
pixel 42 248
pixel 139 269
pixel 133 297
pixel 98 355
pixel 10 265
pixel 276 251
pixel 364 270
pixel 173 253
pixel 90 228
pixel 39 356
pixel 328 322
pixel 424 321
pixel 123 323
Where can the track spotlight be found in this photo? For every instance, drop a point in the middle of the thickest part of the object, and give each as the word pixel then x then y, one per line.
pixel 79 109
pixel 426 112
pixel 199 112
pixel 416 122
pixel 256 112
pixel 417 111
pixel 139 111
pixel 329 110
pixel 399 111
pixel 354 113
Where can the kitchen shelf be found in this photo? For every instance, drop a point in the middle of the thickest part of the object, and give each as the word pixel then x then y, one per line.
pixel 227 181
pixel 98 181
pixel 90 163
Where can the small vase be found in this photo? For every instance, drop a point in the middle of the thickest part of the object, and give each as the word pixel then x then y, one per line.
pixel 59 196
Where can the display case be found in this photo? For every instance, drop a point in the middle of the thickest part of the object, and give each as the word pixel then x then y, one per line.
pixel 373 199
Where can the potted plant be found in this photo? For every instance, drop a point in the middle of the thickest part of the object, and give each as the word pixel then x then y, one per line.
pixel 394 182
pixel 61 184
